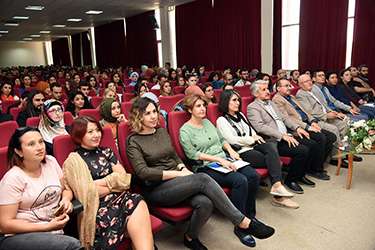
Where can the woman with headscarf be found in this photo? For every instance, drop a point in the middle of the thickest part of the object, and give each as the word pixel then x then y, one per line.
pixel 52 123
pixel 134 78
pixel 110 110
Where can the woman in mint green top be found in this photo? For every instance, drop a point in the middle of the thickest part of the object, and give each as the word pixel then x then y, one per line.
pixel 201 141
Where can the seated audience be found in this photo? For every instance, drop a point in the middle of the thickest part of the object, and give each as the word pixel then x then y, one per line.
pixel 236 130
pixel 244 78
pixel 362 88
pixel 166 181
pixel 116 79
pixel 191 79
pixel 215 80
pixel 109 93
pixel 56 92
pixel 292 109
pixel 111 213
pixel 33 107
pixel 133 78
pixel 32 190
pixel 269 122
pixel 203 145
pixel 294 74
pixel 52 123
pixel 181 81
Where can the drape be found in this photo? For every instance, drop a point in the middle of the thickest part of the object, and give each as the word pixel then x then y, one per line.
pixel 277 12
pixel 60 52
pixel 141 40
pixel 322 36
pixel 76 49
pixel 110 44
pixel 227 34
pixel 364 33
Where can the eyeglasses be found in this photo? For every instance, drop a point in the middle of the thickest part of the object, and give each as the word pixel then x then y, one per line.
pixel 57 110
pixel 286 86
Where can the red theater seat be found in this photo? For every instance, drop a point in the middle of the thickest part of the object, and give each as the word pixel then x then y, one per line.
pixel 167 102
pixel 243 90
pixel 175 121
pixel 125 108
pixel 179 90
pixel 33 121
pixel 245 102
pixel 15 111
pixel 95 113
pixel 213 112
pixel 3 161
pixel 96 100
pixel 7 130
pixel 217 93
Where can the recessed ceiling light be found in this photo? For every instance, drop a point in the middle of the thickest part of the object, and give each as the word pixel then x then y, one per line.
pixel 11 24
pixel 34 7
pixel 94 12
pixel 4 32
pixel 59 25
pixel 34 35
pixel 27 39
pixel 44 32
pixel 21 17
pixel 74 20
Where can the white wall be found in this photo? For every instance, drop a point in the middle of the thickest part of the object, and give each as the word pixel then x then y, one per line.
pixel 22 53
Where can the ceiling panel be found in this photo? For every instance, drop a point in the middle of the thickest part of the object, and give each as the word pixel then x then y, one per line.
pixel 57 11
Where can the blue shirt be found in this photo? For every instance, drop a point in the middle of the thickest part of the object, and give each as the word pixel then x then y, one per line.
pixel 330 104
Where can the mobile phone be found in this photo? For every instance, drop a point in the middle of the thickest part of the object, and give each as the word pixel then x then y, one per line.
pixel 59 211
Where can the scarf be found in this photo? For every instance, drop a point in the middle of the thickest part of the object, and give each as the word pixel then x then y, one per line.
pixel 49 128
pixel 106 110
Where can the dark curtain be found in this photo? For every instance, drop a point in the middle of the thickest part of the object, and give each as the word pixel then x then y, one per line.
pixel 322 36
pixel 141 40
pixel 364 34
pixel 60 52
pixel 226 35
pixel 76 49
pixel 277 22
pixel 86 49
pixel 110 44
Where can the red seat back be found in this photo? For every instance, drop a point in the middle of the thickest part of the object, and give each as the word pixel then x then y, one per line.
pixel 3 161
pixel 126 97
pixel 217 93
pixel 175 121
pixel 129 89
pixel 68 118
pixel 15 111
pixel 155 91
pixel 7 130
pixel 294 91
pixel 5 105
pixel 33 121
pixel 123 133
pixel 167 102
pixel 245 102
pixel 95 113
pixel 96 100
pixel 125 108
pixel 179 90
pixel 243 90
pixel 213 112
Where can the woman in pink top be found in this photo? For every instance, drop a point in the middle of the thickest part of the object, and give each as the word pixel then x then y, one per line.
pixel 31 192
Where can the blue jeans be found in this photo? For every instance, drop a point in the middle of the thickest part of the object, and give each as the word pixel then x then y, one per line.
pixel 39 241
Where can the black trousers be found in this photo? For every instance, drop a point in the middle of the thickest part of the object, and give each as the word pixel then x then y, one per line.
pixel 264 155
pixel 320 146
pixel 299 155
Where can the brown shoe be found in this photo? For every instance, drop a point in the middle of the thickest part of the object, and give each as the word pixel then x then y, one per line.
pixel 284 202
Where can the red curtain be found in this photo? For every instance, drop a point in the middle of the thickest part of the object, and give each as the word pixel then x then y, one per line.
pixel 86 48
pixel 322 36
pixel 227 34
pixel 110 44
pixel 364 34
pixel 76 49
pixel 141 40
pixel 60 52
pixel 277 12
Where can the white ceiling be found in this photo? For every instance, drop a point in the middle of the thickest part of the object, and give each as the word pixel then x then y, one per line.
pixel 58 11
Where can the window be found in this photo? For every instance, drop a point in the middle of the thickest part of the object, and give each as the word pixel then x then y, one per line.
pixel 290 34
pixel 158 38
pixel 349 33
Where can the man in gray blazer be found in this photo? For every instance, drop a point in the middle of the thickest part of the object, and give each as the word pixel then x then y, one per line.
pixel 307 96
pixel 325 97
pixel 273 126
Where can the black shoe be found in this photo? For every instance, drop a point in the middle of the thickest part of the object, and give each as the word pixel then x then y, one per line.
pixel 259 230
pixel 194 244
pixel 320 175
pixel 294 187
pixel 356 158
pixel 306 182
pixel 344 164
pixel 244 237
